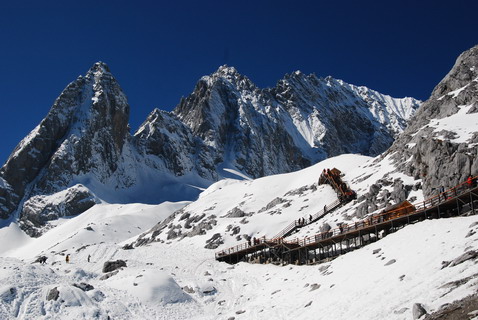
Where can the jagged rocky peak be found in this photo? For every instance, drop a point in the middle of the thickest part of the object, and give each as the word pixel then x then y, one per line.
pixel 229 75
pixel 174 145
pixel 214 104
pixel 83 133
pixel 242 122
pixel 463 73
pixel 226 122
pixel 458 88
pixel 438 148
pixel 99 68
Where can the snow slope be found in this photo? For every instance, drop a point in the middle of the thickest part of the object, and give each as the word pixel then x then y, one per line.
pixel 358 285
pixel 180 279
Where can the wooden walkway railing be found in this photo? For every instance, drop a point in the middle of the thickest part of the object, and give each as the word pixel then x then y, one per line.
pixel 296 224
pixel 403 215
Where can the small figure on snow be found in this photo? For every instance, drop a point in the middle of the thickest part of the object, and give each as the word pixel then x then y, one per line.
pixel 67 258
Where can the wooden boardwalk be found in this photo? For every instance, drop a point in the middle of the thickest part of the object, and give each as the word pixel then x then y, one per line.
pixel 453 202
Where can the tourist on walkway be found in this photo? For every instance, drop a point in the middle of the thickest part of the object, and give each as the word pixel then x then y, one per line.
pixel 442 193
pixel 469 181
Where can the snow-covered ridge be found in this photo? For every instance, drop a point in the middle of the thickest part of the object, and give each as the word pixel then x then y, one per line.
pixel 226 123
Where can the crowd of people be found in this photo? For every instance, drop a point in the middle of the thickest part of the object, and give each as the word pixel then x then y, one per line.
pixel 253 241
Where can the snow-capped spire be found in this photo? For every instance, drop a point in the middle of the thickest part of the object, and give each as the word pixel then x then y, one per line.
pixel 100 67
pixel 226 70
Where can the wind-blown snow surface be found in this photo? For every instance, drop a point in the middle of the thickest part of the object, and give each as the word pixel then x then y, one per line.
pixel 180 279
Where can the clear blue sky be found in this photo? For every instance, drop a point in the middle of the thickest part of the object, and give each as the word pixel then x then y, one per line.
pixel 159 49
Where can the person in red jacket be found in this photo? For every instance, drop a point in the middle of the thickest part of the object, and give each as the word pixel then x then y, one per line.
pixel 469 181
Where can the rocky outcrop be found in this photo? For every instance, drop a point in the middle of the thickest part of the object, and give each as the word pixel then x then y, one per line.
pixel 431 148
pixel 418 311
pixel 110 266
pixel 42 208
pixel 436 149
pixel 222 113
pixel 53 294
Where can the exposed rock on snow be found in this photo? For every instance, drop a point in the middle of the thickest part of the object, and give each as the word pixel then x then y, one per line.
pixel 39 209
pixel 214 242
pixel 109 275
pixel 53 294
pixel 418 311
pixel 466 308
pixel 469 255
pixel 113 265
pixel 390 262
pixel 84 286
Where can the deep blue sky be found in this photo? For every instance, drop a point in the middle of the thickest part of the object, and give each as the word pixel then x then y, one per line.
pixel 159 49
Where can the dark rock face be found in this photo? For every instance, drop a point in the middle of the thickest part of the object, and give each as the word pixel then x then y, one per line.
pixel 174 144
pixel 224 119
pixel 113 265
pixel 214 242
pixel 84 133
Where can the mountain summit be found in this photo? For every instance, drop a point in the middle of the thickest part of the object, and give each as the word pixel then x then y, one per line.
pixel 82 153
pixel 302 120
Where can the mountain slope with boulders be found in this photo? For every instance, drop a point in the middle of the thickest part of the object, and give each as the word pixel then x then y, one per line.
pixel 83 153
pixel 439 147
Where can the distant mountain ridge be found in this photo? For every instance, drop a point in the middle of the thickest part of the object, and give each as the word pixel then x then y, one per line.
pixel 313 119
pixel 82 153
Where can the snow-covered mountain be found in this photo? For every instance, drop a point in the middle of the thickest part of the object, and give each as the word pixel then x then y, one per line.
pixel 439 147
pixel 82 153
pixel 168 266
pixel 302 120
